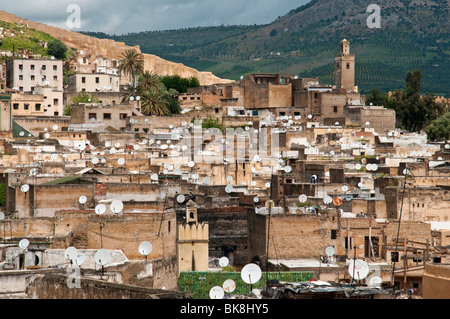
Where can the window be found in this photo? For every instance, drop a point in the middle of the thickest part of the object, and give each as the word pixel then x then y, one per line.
pixel 216 110
pixel 55 67
pixel 335 109
pixel 20 77
pixel 346 243
pixel 83 79
pixel 32 78
pixel 55 102
pixel 333 234
pixel 97 80
pixel 282 113
pixel 55 78
pixel 92 115
pixel 106 116
pixel 348 66
pixel 37 107
pixel 123 116
pixel 26 106
pixel 371 249
pixel 16 106
pixel 56 113
pixel 394 256
pixel 20 66
pixel 44 67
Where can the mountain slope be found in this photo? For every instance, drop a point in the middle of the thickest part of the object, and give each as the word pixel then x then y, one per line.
pixel 413 34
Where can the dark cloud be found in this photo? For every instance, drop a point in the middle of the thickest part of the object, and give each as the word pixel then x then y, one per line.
pixel 113 16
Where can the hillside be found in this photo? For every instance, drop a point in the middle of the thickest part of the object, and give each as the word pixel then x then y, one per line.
pixel 413 34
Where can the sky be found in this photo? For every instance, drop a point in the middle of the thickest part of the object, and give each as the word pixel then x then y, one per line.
pixel 125 16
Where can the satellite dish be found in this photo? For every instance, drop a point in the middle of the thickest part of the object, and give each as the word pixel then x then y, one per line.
pixel 102 257
pixel 24 243
pixel 251 273
pixel 345 188
pixel 253 183
pixel 223 262
pixel 100 209
pixel 95 161
pixel 181 198
pixel 46 135
pixel 145 248
pixel 337 201
pixel 229 188
pixel 330 251
pixel 2 216
pixel 358 270
pixel 116 206
pixel 328 200
pixel 256 199
pixel 267 185
pixel 229 179
pixel 136 147
pixel 288 169
pixel 25 188
pixel 80 258
pixel 82 199
pixel 55 127
pixel 229 285
pixel 117 145
pixel 154 177
pixel 33 171
pixel 70 253
pixel 216 293
pixel 121 161
pixel 358 166
pixel 191 164
pixel 206 180
pixel 405 171
pixel 22 133
pixel 302 198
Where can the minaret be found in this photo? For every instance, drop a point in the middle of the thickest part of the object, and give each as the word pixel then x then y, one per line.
pixel 344 67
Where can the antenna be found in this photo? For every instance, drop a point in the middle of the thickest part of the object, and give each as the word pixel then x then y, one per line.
pixel 24 243
pixel 100 209
pixel 330 251
pixel 102 257
pixel 251 273
pixel 79 259
pixel 358 269
pixel 25 188
pixel 181 198
pixel 229 285
pixel 302 198
pixel 71 253
pixel 121 161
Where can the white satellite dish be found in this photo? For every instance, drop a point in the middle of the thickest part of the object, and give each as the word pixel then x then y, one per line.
pixel 405 171
pixel 216 293
pixel 25 188
pixel 121 161
pixel 251 273
pixel 82 199
pixel 70 253
pixel 181 198
pixel 191 164
pixel 145 248
pixel 79 259
pixel 206 180
pixel 2 216
pixel 95 161
pixel 229 188
pixel 24 243
pixel 33 171
pixel 229 179
pixel 46 135
pixel 223 262
pixel 136 147
pixel 267 185
pixel 330 251
pixel 345 188
pixel 376 281
pixel 55 127
pixel 358 166
pixel 102 257
pixel 229 285
pixel 328 200
pixel 253 183
pixel 22 133
pixel 302 198
pixel 256 199
pixel 288 169
pixel 358 270
pixel 117 145
pixel 100 209
pixel 116 206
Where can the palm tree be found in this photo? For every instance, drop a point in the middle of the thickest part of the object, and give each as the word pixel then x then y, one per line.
pixel 132 63
pixel 148 80
pixel 154 102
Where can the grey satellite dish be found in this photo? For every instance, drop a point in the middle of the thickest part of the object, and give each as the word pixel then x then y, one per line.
pixel 288 169
pixel 100 209
pixel 302 198
pixel 253 183
pixel 206 180
pixel 70 253
pixel 145 248
pixel 79 259
pixel 82 199
pixel 25 188
pixel 345 188
pixel 229 285
pixel 121 161
pixel 223 262
pixel 405 171
pixel 256 199
pixel 95 161
pixel 116 206
pixel 229 179
pixel 2 216
pixel 33 171
pixel 330 251
pixel 24 243
pixel 251 273
pixel 46 135
pixel 358 270
pixel 181 198
pixel 102 257
pixel 216 293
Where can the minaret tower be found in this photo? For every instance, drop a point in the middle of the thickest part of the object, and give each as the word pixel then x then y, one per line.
pixel 344 68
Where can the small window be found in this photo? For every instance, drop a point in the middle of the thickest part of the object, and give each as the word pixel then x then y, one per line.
pixel 335 109
pixel 55 67
pixel 55 78
pixel 20 77
pixel 92 115
pixel 16 106
pixel 55 102
pixel 56 113
pixel 394 256
pixel 20 66
pixel 44 67
pixel 333 234
pixel 26 106
pixel 348 66
pixel 97 80
pixel 37 107
pixel 83 79
pixel 32 78
pixel 123 116
pixel 32 67
pixel 106 116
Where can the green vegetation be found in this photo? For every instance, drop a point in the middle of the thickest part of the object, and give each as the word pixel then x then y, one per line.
pixel 181 85
pixel 2 195
pixel 57 49
pixel 80 99
pixel 439 129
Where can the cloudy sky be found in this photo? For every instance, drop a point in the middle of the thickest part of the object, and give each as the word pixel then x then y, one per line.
pixel 124 16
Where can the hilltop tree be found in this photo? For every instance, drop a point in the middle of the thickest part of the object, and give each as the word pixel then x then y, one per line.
pixel 131 64
pixel 57 49
pixel 439 129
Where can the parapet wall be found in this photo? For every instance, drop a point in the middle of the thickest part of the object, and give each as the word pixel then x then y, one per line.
pixel 113 50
